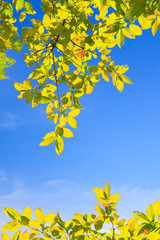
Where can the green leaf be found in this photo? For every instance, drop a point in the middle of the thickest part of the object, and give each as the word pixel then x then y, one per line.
pixel 120 38
pixel 91 218
pixel 98 224
pixel 59 130
pixel 12 213
pixel 107 190
pixel 16 236
pixel 92 69
pixel 143 228
pixel 22 16
pixel 140 216
pixel 29 8
pixel 2 45
pixel 125 79
pixel 103 2
pixel 17 45
pixel 99 210
pixel 37 99
pixel 59 145
pixel 24 221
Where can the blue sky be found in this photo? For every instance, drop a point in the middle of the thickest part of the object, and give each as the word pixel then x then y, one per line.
pixel 117 140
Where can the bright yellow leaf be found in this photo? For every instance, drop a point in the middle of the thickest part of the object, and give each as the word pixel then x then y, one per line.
pixel 27 212
pixel 40 214
pixel 67 133
pixel 72 122
pixel 75 112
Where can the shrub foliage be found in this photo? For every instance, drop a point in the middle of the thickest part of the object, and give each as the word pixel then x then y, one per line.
pixel 85 227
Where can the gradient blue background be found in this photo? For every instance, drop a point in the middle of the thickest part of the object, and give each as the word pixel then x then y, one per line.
pixel 117 140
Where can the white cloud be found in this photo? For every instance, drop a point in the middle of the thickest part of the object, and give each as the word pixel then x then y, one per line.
pixel 69 197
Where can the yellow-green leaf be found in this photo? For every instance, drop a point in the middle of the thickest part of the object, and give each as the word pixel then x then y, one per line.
pixel 125 79
pixel 114 199
pixel 12 213
pixel 99 192
pixel 107 190
pixel 16 236
pixel 11 226
pixel 99 210
pixel 119 84
pixel 48 139
pixel 105 75
pixel 127 32
pixel 59 145
pixel 78 217
pixel 22 16
pixel 154 27
pixel 135 30
pixel 50 108
pixel 27 212
pixel 89 88
pixel 19 5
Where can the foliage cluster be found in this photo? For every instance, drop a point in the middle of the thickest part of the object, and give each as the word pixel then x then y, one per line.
pixel 62 48
pixel 85 227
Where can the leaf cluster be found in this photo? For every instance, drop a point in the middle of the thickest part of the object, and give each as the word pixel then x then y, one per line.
pixel 62 47
pixel 85 227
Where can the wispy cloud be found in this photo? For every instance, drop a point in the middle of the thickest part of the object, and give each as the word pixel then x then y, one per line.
pixel 2 175
pixel 70 197
pixel 8 120
pixel 134 199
